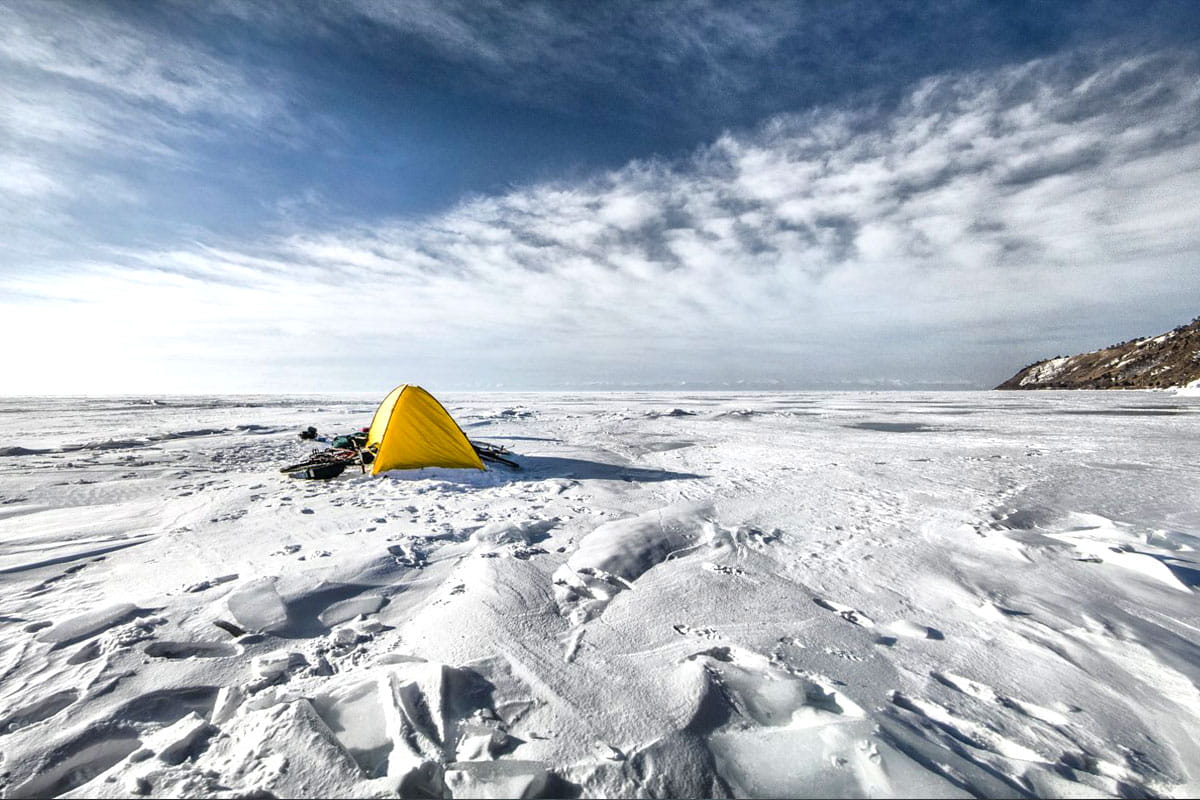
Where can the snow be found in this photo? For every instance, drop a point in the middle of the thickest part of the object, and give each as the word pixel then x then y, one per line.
pixel 1046 371
pixel 1191 389
pixel 88 624
pixel 680 594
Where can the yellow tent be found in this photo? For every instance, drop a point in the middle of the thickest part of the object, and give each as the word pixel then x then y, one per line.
pixel 412 430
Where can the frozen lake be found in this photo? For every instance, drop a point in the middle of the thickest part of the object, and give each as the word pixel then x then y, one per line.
pixel 679 594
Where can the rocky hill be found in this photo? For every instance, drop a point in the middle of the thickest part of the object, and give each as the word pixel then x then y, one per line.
pixel 1155 362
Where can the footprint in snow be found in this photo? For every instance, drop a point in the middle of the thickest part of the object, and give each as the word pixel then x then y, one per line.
pixel 38 711
pixel 703 633
pixel 210 583
pixel 182 650
pixel 846 612
pixel 86 652
pixel 912 630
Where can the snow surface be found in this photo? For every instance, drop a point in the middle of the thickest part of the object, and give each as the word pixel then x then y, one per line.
pixel 1191 389
pixel 803 594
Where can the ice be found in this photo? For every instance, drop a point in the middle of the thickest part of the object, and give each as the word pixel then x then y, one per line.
pixel 345 610
pixel 256 605
pixel 679 594
pixel 355 715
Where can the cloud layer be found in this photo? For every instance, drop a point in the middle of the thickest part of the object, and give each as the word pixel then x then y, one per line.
pixel 991 218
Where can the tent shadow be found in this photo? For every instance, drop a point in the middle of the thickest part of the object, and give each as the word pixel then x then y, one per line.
pixel 539 468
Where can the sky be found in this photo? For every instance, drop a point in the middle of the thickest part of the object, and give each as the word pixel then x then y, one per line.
pixel 308 196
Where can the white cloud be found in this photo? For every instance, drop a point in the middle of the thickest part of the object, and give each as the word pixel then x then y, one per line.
pixel 89 99
pixel 26 179
pixel 105 53
pixel 991 219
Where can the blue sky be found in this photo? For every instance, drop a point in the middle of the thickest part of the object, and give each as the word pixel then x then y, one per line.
pixel 307 196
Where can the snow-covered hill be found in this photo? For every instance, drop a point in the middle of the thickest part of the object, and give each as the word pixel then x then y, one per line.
pixel 780 595
pixel 1169 360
